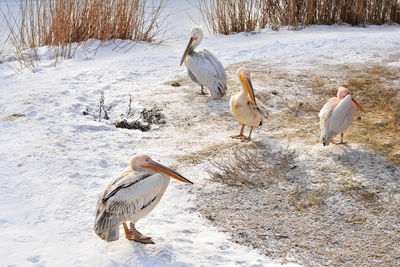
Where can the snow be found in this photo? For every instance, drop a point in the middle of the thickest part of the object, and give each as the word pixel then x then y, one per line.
pixel 54 162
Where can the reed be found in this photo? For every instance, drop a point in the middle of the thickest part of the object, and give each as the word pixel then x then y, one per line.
pixel 65 24
pixel 229 16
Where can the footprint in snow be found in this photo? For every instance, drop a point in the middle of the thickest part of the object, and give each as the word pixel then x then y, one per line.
pixel 103 163
pixel 33 259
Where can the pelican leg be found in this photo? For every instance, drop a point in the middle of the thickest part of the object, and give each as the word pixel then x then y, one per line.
pixel 239 136
pixel 202 90
pixel 341 139
pixel 247 139
pixel 135 235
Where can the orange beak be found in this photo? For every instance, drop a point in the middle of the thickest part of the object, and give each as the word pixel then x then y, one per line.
pixel 151 164
pixel 249 87
pixel 358 105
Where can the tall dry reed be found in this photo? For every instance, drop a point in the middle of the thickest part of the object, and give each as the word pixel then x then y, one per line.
pixel 4 47
pixel 228 16
pixel 64 24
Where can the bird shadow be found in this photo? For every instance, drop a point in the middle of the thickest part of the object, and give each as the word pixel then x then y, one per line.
pixel 152 255
pixel 371 166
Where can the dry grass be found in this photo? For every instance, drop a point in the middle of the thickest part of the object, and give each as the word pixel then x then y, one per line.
pixel 65 24
pixel 228 16
pixel 374 86
pixel 376 89
pixel 303 199
pixel 319 215
pixel 207 152
pixel 248 166
pixel 4 45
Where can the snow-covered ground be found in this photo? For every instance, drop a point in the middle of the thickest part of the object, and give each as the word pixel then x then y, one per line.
pixel 54 161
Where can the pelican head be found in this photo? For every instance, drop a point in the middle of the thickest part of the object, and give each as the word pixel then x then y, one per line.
pixel 143 162
pixel 245 79
pixel 196 37
pixel 343 92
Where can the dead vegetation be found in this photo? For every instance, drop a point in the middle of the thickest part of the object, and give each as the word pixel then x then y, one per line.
pixel 4 45
pixel 205 153
pixel 326 216
pixel 375 87
pixel 65 25
pixel 142 120
pixel 103 111
pixel 223 16
pixel 147 117
pixel 230 16
pixel 247 166
pixel 152 115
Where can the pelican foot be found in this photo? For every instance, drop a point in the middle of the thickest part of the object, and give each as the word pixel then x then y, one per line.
pixel 143 239
pixel 202 91
pixel 138 237
pixel 239 136
pixel 135 235
pixel 341 143
pixel 246 139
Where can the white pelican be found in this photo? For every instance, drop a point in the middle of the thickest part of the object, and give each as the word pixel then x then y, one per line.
pixel 245 107
pixel 203 67
pixel 132 196
pixel 337 115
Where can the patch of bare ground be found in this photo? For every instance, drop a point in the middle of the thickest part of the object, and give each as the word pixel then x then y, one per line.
pixel 295 200
pixel 334 209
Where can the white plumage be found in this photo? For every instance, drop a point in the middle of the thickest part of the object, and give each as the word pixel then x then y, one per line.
pixel 337 115
pixel 203 67
pixel 130 197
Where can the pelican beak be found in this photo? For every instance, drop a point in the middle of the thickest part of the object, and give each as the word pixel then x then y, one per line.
pixel 249 87
pixel 358 105
pixel 151 164
pixel 187 50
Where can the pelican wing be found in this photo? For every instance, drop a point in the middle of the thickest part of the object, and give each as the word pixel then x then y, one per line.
pixel 328 108
pixel 207 71
pixel 125 197
pixel 342 116
pixel 262 109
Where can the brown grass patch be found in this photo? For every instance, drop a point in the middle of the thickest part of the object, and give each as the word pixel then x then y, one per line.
pixel 359 192
pixel 374 86
pixel 379 128
pixel 303 199
pixel 250 166
pixel 205 153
